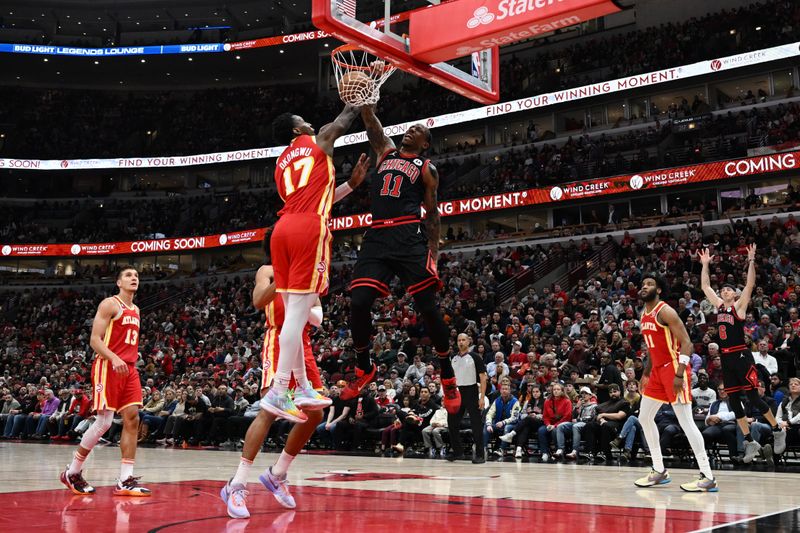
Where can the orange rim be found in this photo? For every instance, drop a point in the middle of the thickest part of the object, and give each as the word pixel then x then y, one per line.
pixel 348 66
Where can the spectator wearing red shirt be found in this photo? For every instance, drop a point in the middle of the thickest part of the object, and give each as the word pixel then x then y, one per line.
pixel 79 408
pixel 557 410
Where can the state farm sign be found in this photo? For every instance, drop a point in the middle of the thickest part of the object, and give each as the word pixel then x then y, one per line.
pixel 475 25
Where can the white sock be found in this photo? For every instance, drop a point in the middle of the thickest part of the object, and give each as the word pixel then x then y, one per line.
pixel 76 466
pixel 647 419
pixel 242 472
pixel 282 465
pixel 683 411
pixel 300 380
pixel 280 383
pixel 125 469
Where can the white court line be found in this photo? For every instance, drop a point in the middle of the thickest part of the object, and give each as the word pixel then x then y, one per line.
pixel 744 520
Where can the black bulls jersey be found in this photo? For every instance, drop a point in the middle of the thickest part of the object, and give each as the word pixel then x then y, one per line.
pixel 730 330
pixel 398 189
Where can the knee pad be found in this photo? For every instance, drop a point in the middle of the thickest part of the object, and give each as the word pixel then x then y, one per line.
pixel 735 403
pixel 425 304
pixel 362 298
pixel 756 401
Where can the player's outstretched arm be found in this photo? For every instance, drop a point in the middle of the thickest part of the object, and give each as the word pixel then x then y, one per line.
pixel 705 281
pixel 744 300
pixel 434 224
pixel 330 132
pixel 378 140
pixel 356 178
pixel 106 312
pixel 264 291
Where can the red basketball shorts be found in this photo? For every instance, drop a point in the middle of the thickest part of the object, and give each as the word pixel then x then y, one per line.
pixel 114 391
pixel 301 253
pixel 659 386
pixel 269 360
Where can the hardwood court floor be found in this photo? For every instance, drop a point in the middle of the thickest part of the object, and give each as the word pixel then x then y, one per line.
pixel 353 494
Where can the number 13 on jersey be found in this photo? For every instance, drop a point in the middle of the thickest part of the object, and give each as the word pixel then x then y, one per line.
pixel 296 175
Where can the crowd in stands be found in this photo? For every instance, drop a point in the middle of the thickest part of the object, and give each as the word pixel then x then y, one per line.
pixel 65 124
pixel 578 348
pixel 536 164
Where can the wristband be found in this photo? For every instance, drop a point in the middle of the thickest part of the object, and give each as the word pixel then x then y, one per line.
pixel 679 376
pixel 684 359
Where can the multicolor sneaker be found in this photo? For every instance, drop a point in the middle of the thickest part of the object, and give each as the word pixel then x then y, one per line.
pixel 76 483
pixel 235 497
pixel 130 487
pixel 701 484
pixel 452 397
pixel 281 405
pixel 751 449
pixel 653 478
pixel 779 441
pixel 279 487
pixel 310 399
pixel 355 387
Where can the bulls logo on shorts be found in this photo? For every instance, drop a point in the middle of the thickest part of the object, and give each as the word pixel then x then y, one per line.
pixel 321 266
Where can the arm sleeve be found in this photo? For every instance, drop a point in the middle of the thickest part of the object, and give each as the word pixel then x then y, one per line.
pixel 315 316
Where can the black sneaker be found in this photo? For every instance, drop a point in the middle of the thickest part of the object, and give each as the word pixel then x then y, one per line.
pixel 131 487
pixel 76 483
pixel 479 459
pixel 455 457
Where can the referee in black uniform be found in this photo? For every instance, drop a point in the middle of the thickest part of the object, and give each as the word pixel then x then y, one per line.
pixel 471 380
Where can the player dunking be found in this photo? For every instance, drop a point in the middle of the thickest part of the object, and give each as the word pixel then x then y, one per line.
pixel 234 493
pixel 396 244
pixel 300 248
pixel 739 373
pixel 116 384
pixel 668 381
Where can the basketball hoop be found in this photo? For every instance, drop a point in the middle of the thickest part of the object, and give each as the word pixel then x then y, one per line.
pixel 359 74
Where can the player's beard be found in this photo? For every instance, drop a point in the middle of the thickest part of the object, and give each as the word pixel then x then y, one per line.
pixel 650 296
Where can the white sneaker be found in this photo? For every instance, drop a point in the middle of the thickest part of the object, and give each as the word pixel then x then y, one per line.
pixel 545 457
pixel 518 453
pixel 559 453
pixel 498 452
pixel 508 437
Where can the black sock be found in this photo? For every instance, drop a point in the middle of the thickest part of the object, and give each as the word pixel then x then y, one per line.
pixel 363 361
pixel 748 437
pixel 446 365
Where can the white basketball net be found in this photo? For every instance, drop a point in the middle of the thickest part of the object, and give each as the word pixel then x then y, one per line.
pixel 359 75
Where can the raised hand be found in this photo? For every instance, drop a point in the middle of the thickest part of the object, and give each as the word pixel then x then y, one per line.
pixel 751 252
pixel 705 256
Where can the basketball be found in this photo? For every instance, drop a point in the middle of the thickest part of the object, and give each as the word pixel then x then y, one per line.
pixel 353 85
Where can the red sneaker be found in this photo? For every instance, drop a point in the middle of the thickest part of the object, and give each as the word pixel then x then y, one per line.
pixel 452 398
pixel 354 388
